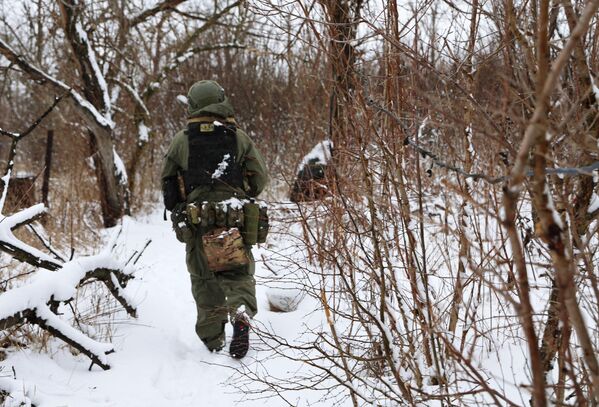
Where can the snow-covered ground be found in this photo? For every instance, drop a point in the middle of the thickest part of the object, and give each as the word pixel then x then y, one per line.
pixel 159 361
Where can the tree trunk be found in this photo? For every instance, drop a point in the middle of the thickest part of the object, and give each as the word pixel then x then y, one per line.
pixel 110 183
pixel 47 167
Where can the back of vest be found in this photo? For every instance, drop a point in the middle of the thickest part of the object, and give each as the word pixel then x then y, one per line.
pixel 212 157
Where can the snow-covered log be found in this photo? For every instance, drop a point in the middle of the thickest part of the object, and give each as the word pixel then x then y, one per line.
pixel 16 248
pixel 32 303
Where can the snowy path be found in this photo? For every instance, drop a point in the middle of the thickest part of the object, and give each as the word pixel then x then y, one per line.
pixel 159 360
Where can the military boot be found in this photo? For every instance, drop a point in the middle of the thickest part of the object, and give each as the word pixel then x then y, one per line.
pixel 240 343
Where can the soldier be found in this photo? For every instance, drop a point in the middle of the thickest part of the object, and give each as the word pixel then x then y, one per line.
pixel 216 161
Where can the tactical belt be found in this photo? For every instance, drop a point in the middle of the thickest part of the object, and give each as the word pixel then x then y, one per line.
pixel 248 216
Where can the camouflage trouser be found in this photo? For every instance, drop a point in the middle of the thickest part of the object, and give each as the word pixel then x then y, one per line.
pixel 218 295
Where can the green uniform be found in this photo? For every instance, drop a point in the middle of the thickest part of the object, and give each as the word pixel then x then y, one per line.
pixel 219 294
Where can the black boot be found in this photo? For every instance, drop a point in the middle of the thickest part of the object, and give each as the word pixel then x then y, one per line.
pixel 240 343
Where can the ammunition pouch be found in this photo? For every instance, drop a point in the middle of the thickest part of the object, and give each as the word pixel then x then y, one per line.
pixel 251 212
pixel 250 218
pixel 263 225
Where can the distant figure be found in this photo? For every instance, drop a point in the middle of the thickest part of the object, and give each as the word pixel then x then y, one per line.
pixel 211 172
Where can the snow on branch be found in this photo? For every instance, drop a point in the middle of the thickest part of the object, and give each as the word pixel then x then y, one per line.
pixel 43 78
pixel 8 242
pixel 91 57
pixel 18 249
pixel 33 302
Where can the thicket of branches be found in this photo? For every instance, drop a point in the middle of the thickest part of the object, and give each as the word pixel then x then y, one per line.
pixel 462 213
pixel 462 207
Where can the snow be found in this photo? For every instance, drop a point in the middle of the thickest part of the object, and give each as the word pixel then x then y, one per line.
pixel 320 154
pixel 135 94
pixel 184 57
pixel 17 392
pixel 556 218
pixel 285 298
pixel 97 348
pixel 471 149
pixel 59 285
pixel 159 360
pixel 104 121
pixel 221 167
pixel 183 99
pixel 595 88
pixel 121 170
pixel 10 133
pixel 144 132
pixel 233 203
pixel 5 182
pixel 101 119
pixel 9 222
pixel 594 203
pixel 97 72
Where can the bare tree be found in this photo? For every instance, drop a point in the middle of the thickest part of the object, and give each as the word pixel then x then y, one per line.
pixel 103 68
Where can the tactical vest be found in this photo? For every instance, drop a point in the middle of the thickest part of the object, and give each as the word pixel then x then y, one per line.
pixel 212 157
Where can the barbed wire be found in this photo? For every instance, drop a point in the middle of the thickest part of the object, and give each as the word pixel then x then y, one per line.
pixel 586 170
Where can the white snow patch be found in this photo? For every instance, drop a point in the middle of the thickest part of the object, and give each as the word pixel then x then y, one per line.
pixel 96 68
pixel 469 137
pixel 121 170
pixel 5 181
pixel 144 132
pixel 184 57
pixel 97 348
pixel 6 235
pixel 17 390
pixel 320 154
pixel 60 285
pixel 556 218
pixel 595 88
pixel 285 299
pixel 233 203
pixel 183 99
pixel 221 167
pixel 593 204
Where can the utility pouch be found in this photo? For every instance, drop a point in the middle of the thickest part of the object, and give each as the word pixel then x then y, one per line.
pixel 183 232
pixel 208 214
pixel 224 249
pixel 251 213
pixel 235 216
pixel 220 215
pixel 263 225
pixel 193 213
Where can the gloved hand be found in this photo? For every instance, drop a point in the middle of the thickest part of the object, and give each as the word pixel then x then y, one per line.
pixel 181 226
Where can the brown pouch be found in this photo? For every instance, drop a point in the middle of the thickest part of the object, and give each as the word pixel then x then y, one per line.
pixel 224 249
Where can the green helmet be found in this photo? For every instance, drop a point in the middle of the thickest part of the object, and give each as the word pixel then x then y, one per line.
pixel 208 97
